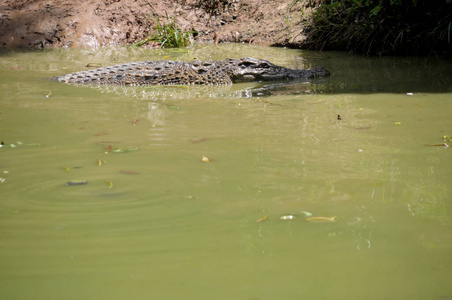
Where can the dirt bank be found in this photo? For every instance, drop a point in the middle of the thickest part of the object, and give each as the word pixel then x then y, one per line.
pixel 94 23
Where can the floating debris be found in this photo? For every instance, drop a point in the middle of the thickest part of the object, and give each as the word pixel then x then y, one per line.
pixel 66 169
pixel 446 138
pixel 321 219
pixel 263 219
pixel 288 217
pixel 135 122
pixel 205 159
pixel 120 150
pixel 439 145
pixel 100 162
pixel 18 143
pixel 110 184
pixel 306 213
pixel 108 149
pixel 76 182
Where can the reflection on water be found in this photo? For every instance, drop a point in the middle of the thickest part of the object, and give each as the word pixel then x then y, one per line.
pixel 153 215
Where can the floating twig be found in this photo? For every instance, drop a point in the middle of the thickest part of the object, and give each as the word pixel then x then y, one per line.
pixel 321 219
pixel 439 145
pixel 263 219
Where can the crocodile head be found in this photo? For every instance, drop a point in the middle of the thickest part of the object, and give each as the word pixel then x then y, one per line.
pixel 251 69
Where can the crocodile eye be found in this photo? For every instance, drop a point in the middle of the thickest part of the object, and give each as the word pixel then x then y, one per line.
pixel 264 65
pixel 246 64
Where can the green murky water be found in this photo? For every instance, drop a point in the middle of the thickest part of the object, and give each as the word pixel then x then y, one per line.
pixel 154 221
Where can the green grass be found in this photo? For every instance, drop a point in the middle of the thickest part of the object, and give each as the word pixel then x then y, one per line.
pixel 168 35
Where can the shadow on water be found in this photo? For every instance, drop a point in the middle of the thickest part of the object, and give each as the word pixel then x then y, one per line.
pixel 365 75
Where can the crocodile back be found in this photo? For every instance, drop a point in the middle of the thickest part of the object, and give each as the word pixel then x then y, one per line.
pixel 183 73
pixel 154 73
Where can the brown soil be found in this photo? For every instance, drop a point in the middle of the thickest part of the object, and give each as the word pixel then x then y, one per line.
pixel 93 23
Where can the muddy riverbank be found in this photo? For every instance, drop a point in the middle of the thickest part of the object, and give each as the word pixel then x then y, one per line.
pixel 93 23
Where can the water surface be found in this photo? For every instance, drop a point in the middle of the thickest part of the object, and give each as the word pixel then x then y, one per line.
pixel 155 221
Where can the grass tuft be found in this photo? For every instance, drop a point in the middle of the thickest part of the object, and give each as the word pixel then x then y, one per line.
pixel 168 35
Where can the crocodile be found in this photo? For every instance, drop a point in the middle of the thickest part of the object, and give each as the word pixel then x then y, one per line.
pixel 208 72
